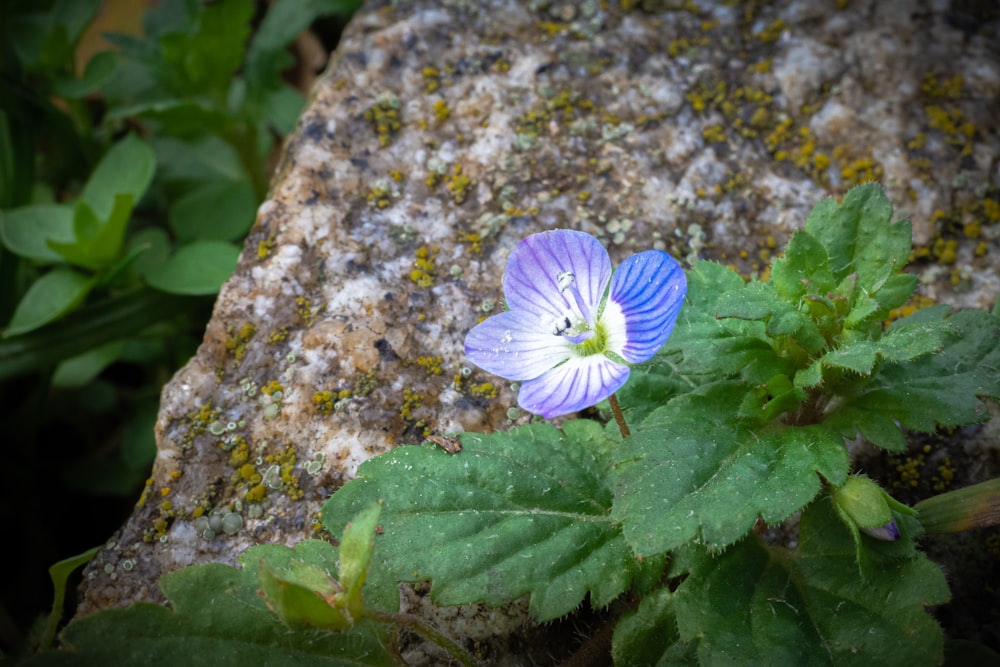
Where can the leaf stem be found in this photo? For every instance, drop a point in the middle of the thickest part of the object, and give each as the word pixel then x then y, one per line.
pixel 410 622
pixel 619 416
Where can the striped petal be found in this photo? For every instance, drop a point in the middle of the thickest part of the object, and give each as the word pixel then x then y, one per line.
pixel 515 345
pixel 575 385
pixel 538 263
pixel 649 288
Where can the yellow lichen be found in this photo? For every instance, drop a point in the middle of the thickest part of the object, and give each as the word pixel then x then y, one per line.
pixel 323 400
pixel 458 185
pixel 264 248
pixel 379 196
pixel 272 387
pixel 772 31
pixel 237 341
pixel 441 111
pixel 425 266
pixel 714 134
pixel 384 119
pixel 411 401
pixel 305 310
pixel 484 390
pixel 431 364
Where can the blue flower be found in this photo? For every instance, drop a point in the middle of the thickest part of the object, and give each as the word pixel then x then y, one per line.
pixel 573 326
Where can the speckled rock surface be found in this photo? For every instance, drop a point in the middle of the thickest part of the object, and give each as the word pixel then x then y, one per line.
pixel 443 132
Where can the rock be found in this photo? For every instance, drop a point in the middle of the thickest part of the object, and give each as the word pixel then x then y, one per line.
pixel 442 133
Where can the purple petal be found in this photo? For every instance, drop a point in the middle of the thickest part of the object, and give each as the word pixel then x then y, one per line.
pixel 575 385
pixel 515 345
pixel 888 532
pixel 531 280
pixel 649 288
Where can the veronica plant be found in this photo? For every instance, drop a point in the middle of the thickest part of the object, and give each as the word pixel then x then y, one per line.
pixel 736 423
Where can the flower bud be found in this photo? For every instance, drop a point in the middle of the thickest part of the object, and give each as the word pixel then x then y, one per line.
pixel 862 503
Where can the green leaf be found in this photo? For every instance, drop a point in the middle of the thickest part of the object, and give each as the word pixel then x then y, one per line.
pixel 860 237
pixel 804 269
pixel 126 169
pixel 858 357
pixel 908 338
pixel 138 441
pixel 111 319
pixel 217 618
pixel 757 604
pixel 930 390
pixel 703 346
pixel 44 40
pixel 356 549
pixel 760 301
pixel 83 368
pixel 283 108
pixel 302 595
pixel 59 573
pixel 205 60
pixel 523 512
pixel 215 211
pixel 99 69
pixel 197 268
pixel 150 246
pixel 98 242
pixel 284 21
pixel 191 162
pixel 691 472
pixel 648 636
pixel 50 297
pixel 26 231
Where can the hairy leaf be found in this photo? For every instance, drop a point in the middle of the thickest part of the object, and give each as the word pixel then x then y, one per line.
pixel 522 512
pixel 804 269
pixel 648 636
pixel 704 346
pixel 860 237
pixel 929 390
pixel 690 472
pixel 756 604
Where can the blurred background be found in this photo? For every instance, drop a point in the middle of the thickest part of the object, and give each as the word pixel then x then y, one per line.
pixel 137 139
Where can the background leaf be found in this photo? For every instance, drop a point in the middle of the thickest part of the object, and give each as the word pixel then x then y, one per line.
pixel 97 243
pixel 49 298
pixel 126 169
pixel 26 231
pixel 217 210
pixel 197 268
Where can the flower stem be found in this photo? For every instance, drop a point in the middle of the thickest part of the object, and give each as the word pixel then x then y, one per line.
pixel 410 622
pixel 619 417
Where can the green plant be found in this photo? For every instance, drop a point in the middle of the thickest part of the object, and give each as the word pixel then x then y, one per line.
pixel 736 425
